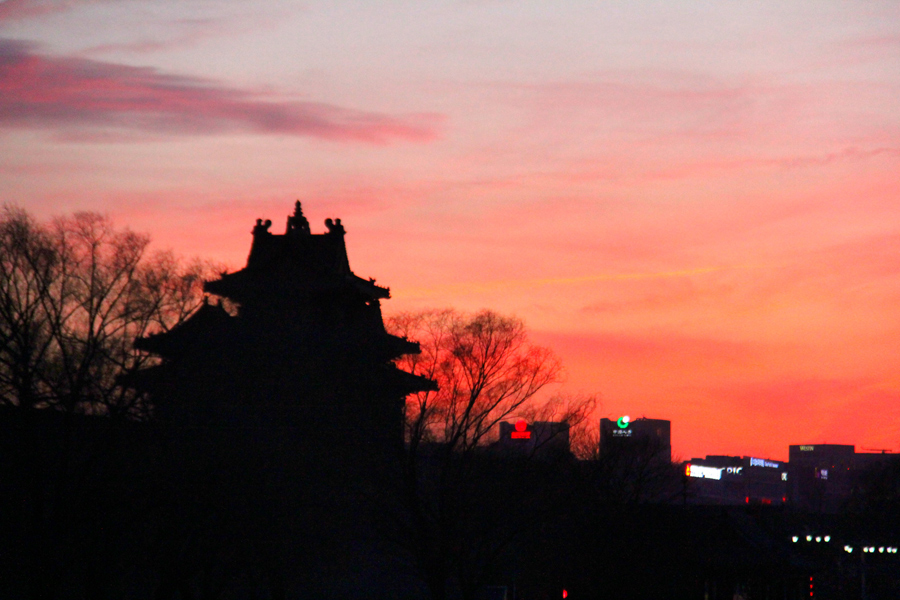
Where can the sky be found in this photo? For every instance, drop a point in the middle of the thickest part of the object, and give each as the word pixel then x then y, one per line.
pixel 696 205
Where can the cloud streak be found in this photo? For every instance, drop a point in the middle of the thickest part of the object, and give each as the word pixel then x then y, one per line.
pixel 65 94
pixel 12 10
pixel 489 286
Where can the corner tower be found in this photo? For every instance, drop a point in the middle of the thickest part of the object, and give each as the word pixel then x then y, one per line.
pixel 305 338
pixel 282 414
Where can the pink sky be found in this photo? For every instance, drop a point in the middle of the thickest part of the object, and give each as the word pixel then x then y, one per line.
pixel 696 205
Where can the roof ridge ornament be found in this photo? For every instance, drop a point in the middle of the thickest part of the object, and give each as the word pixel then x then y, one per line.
pixel 262 228
pixel 334 226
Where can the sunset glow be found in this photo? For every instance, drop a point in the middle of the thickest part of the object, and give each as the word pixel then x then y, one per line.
pixel 695 205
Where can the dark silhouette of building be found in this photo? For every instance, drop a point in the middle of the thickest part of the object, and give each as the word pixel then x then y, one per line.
pixel 537 437
pixel 283 412
pixel 644 436
pixel 735 480
pixel 307 333
pixel 822 476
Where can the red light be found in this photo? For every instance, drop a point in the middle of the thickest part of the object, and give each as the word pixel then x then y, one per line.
pixel 521 432
pixel 747 499
pixel 565 594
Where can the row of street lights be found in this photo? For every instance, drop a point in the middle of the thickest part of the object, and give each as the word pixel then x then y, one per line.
pixel 847 548
pixel 881 549
pixel 809 538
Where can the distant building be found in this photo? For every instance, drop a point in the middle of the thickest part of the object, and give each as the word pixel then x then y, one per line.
pixel 733 480
pixel 649 437
pixel 536 437
pixel 823 475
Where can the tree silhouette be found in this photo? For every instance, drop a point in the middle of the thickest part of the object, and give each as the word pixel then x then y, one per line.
pixel 74 295
pixel 467 503
pixel 485 367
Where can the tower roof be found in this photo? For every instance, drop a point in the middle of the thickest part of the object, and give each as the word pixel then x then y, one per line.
pixel 208 320
pixel 297 262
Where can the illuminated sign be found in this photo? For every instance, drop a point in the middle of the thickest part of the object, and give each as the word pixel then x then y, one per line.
pixel 734 470
pixel 521 432
pixel 807 448
pixel 821 473
pixel 784 476
pixel 761 462
pixel 621 432
pixel 702 472
pixel 623 422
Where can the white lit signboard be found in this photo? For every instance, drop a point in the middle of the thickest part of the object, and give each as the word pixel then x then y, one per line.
pixel 761 462
pixel 702 472
pixel 807 448
pixel 734 470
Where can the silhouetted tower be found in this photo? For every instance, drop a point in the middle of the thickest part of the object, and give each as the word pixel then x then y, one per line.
pixel 296 378
pixel 307 339
pixel 282 409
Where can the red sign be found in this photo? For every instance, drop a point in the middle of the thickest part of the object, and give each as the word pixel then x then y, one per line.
pixel 521 432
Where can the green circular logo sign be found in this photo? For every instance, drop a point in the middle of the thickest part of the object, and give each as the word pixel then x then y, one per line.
pixel 623 422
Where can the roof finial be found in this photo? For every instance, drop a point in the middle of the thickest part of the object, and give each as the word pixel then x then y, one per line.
pixel 297 223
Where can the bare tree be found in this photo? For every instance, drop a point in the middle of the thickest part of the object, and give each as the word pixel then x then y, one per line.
pixel 461 517
pixel 485 367
pixel 74 295
pixel 27 267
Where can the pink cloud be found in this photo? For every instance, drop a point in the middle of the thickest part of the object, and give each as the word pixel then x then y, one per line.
pixel 11 10
pixel 666 106
pixel 181 33
pixel 43 91
pixel 188 32
pixel 587 171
